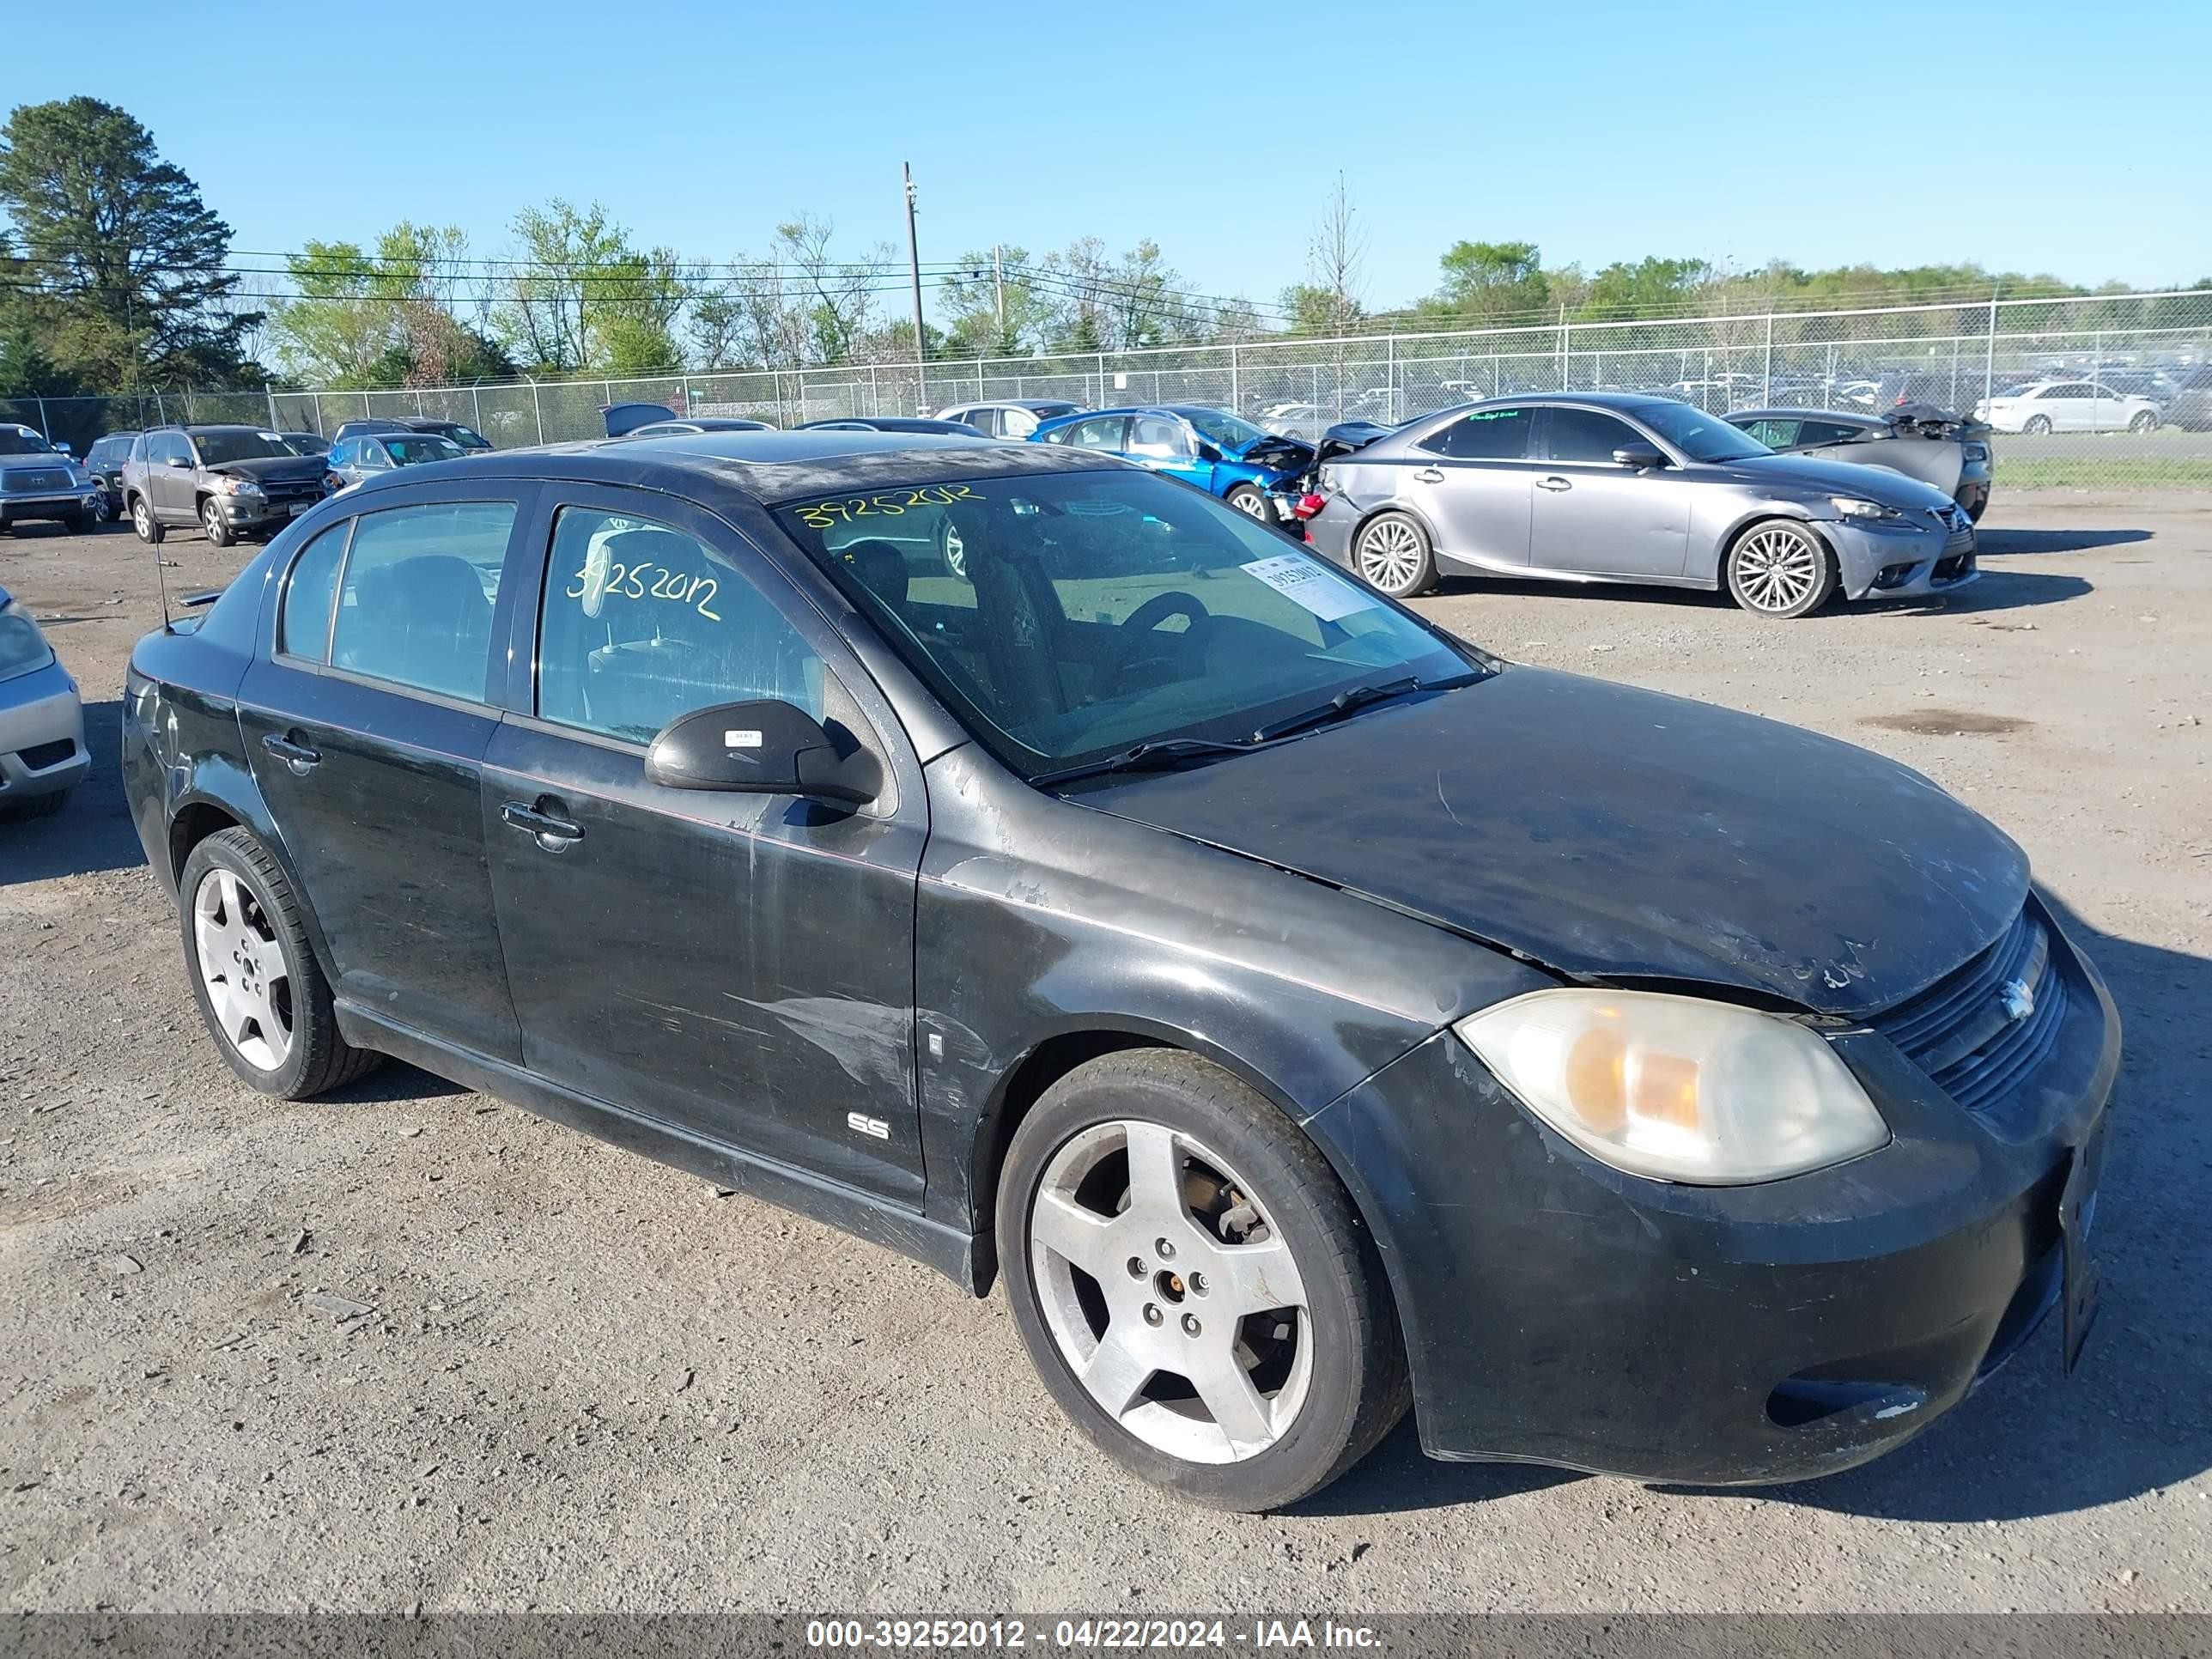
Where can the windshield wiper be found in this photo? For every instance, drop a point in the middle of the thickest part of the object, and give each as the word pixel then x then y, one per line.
pixel 1144 758
pixel 1356 697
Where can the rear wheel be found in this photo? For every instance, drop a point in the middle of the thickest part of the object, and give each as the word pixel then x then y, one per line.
pixel 1777 568
pixel 38 806
pixel 218 529
pixel 1392 551
pixel 2146 420
pixel 144 521
pixel 103 507
pixel 2039 426
pixel 951 549
pixel 1191 1282
pixel 254 974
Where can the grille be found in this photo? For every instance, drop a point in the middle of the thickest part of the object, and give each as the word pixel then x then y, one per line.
pixel 289 489
pixel 1962 1033
pixel 36 478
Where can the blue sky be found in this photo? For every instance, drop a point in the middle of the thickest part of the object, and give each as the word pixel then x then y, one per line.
pixel 2029 134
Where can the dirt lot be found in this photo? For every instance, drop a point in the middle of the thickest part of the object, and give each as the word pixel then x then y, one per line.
pixel 589 1383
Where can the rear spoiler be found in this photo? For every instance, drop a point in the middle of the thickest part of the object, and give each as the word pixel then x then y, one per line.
pixel 628 418
pixel 205 596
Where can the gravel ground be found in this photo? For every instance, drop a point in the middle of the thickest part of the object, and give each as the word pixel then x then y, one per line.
pixel 583 1381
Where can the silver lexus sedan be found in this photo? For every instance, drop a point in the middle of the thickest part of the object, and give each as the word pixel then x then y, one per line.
pixel 1626 487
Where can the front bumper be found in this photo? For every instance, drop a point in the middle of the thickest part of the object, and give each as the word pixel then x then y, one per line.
pixel 257 512
pixel 41 734
pixel 1558 1311
pixel 63 504
pixel 1900 563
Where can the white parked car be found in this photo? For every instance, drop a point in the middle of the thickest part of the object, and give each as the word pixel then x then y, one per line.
pixel 2068 406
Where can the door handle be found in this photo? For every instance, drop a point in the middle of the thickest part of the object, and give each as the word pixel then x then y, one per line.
pixel 296 755
pixel 1553 482
pixel 1429 474
pixel 552 832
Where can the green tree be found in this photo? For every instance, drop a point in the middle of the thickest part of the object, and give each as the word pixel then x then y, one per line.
pixel 127 277
pixel 971 300
pixel 1489 284
pixel 582 297
pixel 1651 286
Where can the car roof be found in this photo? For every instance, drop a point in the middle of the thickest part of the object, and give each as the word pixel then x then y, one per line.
pixel 770 467
pixel 1844 417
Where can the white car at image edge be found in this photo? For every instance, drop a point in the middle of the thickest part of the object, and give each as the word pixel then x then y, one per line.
pixel 2068 406
pixel 42 753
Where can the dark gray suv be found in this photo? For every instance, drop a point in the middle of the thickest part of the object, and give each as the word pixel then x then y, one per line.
pixel 231 481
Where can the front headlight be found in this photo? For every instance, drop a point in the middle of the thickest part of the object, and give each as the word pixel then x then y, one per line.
pixel 1857 507
pixel 23 649
pixel 230 486
pixel 1677 1088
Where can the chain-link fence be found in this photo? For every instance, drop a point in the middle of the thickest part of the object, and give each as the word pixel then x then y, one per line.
pixel 2133 375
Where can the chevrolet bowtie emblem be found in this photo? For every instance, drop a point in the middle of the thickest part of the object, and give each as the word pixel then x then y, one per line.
pixel 2018 997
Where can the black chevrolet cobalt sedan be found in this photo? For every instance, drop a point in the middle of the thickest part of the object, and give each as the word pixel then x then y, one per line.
pixel 1306 1014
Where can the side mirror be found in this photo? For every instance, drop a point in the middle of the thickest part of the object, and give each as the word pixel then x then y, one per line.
pixel 180 460
pixel 760 748
pixel 1207 452
pixel 64 449
pixel 1640 456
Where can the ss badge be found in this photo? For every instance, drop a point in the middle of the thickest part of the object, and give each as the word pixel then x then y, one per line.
pixel 874 1127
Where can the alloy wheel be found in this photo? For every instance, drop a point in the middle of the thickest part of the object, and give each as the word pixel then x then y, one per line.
pixel 1251 502
pixel 1169 1295
pixel 241 964
pixel 1389 554
pixel 142 518
pixel 1777 568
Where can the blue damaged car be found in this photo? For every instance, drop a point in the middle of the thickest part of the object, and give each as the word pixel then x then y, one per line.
pixel 1255 471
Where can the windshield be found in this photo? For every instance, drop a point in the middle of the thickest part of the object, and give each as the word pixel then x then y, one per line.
pixel 1073 616
pixel 1224 431
pixel 220 449
pixel 1700 436
pixel 413 452
pixel 21 441
pixel 467 437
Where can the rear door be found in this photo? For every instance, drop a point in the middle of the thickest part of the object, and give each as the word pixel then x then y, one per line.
pixel 738 967
pixel 365 727
pixel 1470 481
pixel 1593 516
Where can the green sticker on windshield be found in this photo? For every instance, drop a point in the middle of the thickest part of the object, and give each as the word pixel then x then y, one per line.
pixel 845 509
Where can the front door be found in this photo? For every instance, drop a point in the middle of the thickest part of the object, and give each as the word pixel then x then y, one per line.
pixel 738 967
pixel 1595 516
pixel 366 731
pixel 1166 445
pixel 1470 482
pixel 169 479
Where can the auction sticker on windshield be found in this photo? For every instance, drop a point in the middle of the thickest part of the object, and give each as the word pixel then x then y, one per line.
pixel 1302 581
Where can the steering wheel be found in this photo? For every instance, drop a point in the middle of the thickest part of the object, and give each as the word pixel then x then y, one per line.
pixel 1137 628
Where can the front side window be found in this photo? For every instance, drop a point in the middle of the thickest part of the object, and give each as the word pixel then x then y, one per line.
pixel 1825 432
pixel 304 631
pixel 1583 434
pixel 1096 610
pixel 1104 432
pixel 1487 435
pixel 415 604
pixel 1157 437
pixel 641 623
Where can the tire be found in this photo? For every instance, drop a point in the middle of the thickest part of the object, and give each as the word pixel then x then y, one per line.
pixel 2146 421
pixel 84 521
pixel 37 806
pixel 219 532
pixel 1336 1366
pixel 949 548
pixel 142 521
pixel 2038 426
pixel 1780 568
pixel 233 898
pixel 103 508
pixel 1250 501
pixel 1392 552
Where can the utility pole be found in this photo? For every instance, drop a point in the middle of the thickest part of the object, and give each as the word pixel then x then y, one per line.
pixel 913 266
pixel 999 294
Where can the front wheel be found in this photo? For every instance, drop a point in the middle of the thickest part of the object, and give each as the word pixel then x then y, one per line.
pixel 2039 426
pixel 1193 1286
pixel 1392 551
pixel 144 521
pixel 1248 499
pixel 254 974
pixel 219 532
pixel 1780 569
pixel 951 549
pixel 103 507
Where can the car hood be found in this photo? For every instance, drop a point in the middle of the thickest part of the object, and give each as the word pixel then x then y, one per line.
pixel 18 463
pixel 1838 477
pixel 1277 454
pixel 276 469
pixel 1618 835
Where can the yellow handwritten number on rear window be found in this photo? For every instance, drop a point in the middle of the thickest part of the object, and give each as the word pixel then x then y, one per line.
pixel 820 515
